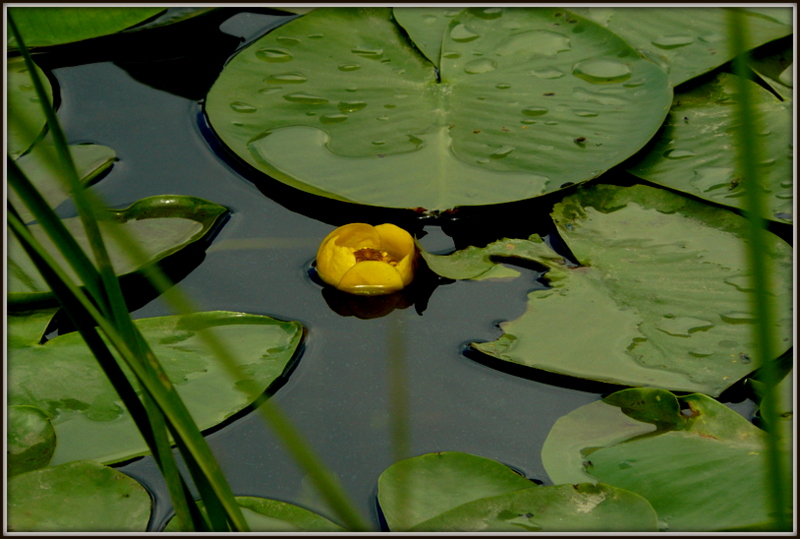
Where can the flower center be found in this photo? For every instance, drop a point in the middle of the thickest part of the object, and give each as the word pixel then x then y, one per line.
pixel 374 254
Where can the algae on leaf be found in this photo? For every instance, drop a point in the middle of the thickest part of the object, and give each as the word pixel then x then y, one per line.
pixel 340 103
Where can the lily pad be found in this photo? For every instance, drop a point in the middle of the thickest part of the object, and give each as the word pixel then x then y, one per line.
pixel 686 41
pixel 662 299
pixel 427 26
pixel 451 491
pixel 415 490
pixel 46 26
pixel 694 152
pixel 77 497
pixel 163 225
pixel 338 101
pixel 704 473
pixel 263 515
pixel 63 378
pixel 773 63
pixel 91 160
pixel 31 439
pixel 26 118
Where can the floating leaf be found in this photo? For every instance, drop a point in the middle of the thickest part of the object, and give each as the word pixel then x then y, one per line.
pixel 687 42
pixel 415 490
pixel 454 491
pixel 39 166
pixel 63 378
pixel 694 152
pixel 426 27
pixel 338 103
pixel 31 439
pixel 265 515
pixel 46 26
pixel 26 117
pixel 707 475
pixel 163 225
pixel 662 298
pixel 773 63
pixel 77 497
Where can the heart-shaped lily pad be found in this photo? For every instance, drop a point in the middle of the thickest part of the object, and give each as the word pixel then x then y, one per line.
pixel 264 515
pixel 26 118
pixel 458 492
pixel 31 439
pixel 77 497
pixel 662 299
pixel 63 378
pixel 704 472
pixel 162 225
pixel 687 42
pixel 39 167
pixel 693 153
pixel 340 103
pixel 51 25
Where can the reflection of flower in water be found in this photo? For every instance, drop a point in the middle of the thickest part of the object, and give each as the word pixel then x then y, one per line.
pixel 367 260
pixel 366 307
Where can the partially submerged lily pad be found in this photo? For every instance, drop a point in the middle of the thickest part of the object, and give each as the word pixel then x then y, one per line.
pixel 452 491
pixel 662 299
pixel 162 225
pixel 40 167
pixel 63 378
pixel 264 515
pixel 31 439
pixel 26 118
pixel 340 103
pixel 77 497
pixel 687 41
pixel 702 471
pixel 695 152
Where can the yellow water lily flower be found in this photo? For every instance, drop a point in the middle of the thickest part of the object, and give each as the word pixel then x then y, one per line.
pixel 367 260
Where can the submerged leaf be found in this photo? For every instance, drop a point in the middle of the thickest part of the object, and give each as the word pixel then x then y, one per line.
pixel 339 103
pixel 63 378
pixel 77 497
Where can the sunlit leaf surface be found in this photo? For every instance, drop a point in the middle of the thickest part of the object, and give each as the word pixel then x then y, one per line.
pixel 26 118
pixel 63 378
pixel 662 298
pixel 340 103
pixel 265 515
pixel 162 225
pixel 695 151
pixel 703 473
pixel 77 497
pixel 687 41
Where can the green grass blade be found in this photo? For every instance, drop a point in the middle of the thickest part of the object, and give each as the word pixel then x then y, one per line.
pixel 749 155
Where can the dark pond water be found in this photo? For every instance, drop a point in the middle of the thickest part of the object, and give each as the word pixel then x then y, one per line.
pixel 142 96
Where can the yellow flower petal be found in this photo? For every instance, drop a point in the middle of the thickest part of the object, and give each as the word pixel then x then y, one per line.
pixel 334 261
pixel 371 278
pixel 400 245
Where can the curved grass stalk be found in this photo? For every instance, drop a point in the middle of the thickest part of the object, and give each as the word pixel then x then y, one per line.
pixel 748 157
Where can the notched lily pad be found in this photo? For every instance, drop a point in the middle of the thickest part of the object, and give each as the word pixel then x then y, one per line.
pixel 662 299
pixel 77 497
pixel 704 473
pixel 695 151
pixel 163 225
pixel 63 378
pixel 31 439
pixel 339 103
pixel 264 515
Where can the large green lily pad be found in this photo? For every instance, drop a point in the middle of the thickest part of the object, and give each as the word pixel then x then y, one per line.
pixel 77 497
pixel 39 166
pixel 662 299
pixel 451 491
pixel 46 26
pixel 26 118
pixel 264 515
pixel 702 471
pixel 340 103
pixel 31 439
pixel 162 225
pixel 63 378
pixel 687 41
pixel 695 152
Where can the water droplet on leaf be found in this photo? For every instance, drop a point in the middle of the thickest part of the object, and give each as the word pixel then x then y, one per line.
pixel 463 34
pixel 333 118
pixel 602 71
pixel 238 106
pixel 305 99
pixel 673 41
pixel 481 65
pixel 274 55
